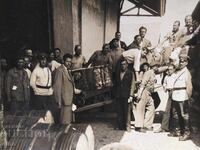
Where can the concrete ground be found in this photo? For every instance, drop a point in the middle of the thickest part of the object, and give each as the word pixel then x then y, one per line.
pixel 108 138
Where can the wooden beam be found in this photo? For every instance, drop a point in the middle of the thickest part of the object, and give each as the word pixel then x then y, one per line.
pixel 91 106
pixel 128 10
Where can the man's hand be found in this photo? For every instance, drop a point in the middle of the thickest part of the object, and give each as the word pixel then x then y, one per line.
pixel 77 91
pixel 130 99
pixel 74 107
pixel 59 104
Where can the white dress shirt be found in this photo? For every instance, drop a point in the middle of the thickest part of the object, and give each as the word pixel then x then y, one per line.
pixel 133 56
pixel 41 77
pixel 182 80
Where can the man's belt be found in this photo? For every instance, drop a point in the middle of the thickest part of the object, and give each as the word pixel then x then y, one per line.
pixel 179 88
pixel 43 87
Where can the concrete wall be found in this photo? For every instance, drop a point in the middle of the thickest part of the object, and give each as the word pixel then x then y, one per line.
pixel 63 25
pixel 87 22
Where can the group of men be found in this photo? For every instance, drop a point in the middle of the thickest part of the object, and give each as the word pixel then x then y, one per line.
pixel 47 84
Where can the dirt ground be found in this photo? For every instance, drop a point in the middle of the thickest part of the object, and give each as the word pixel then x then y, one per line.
pixel 106 136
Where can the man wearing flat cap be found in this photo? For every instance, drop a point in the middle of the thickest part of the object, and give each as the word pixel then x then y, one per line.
pixel 181 94
pixel 41 82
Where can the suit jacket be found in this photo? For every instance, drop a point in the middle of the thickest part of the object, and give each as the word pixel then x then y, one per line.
pixel 63 86
pixel 126 85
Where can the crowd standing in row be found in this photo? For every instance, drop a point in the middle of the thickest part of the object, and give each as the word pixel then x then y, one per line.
pixel 46 83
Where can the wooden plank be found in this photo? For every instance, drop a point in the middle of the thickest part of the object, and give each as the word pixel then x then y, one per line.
pixel 91 106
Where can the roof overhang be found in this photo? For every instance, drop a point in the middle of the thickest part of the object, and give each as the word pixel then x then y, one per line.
pixel 154 7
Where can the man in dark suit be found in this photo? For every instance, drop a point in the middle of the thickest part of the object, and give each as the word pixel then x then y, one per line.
pixel 64 89
pixel 125 84
pixel 121 43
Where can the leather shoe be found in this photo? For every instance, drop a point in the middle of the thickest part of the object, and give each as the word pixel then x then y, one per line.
pixel 140 130
pixel 184 137
pixel 172 134
pixel 160 130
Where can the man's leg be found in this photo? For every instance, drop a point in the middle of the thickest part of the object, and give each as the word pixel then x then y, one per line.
pixel 66 114
pixel 139 112
pixel 166 116
pixel 150 114
pixel 186 122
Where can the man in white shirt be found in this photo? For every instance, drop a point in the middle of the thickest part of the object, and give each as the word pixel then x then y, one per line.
pixel 168 86
pixel 182 92
pixel 41 82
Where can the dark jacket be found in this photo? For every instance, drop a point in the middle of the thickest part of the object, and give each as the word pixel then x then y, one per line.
pixel 17 86
pixel 126 85
pixel 122 43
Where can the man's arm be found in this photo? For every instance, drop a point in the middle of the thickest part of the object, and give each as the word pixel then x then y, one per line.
pixel 133 86
pixel 189 86
pixel 33 80
pixel 57 86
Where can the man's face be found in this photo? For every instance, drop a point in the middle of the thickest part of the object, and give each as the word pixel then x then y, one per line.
pixel 155 68
pixel 78 50
pixel 190 29
pixel 138 40
pixel 146 68
pixel 142 32
pixel 188 21
pixel 124 65
pixel 175 26
pixel 106 49
pixel 26 62
pixel 29 53
pixel 171 70
pixel 20 64
pixel 57 53
pixel 51 56
pixel 115 43
pixel 68 63
pixel 118 35
pixel 182 63
pixel 4 64
pixel 43 62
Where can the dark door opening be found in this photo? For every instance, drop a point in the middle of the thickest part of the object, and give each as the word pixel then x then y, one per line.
pixel 24 24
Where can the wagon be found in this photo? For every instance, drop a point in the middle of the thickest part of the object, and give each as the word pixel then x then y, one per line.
pixel 96 85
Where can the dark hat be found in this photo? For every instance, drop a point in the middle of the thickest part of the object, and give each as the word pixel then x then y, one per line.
pixel 42 56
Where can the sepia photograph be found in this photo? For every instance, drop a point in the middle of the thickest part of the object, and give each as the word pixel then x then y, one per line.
pixel 100 75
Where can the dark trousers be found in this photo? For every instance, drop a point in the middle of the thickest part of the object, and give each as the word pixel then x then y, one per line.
pixel 182 109
pixel 123 113
pixel 47 103
pixel 167 115
pixel 17 106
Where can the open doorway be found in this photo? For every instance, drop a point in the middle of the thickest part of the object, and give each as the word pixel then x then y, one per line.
pixel 24 24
